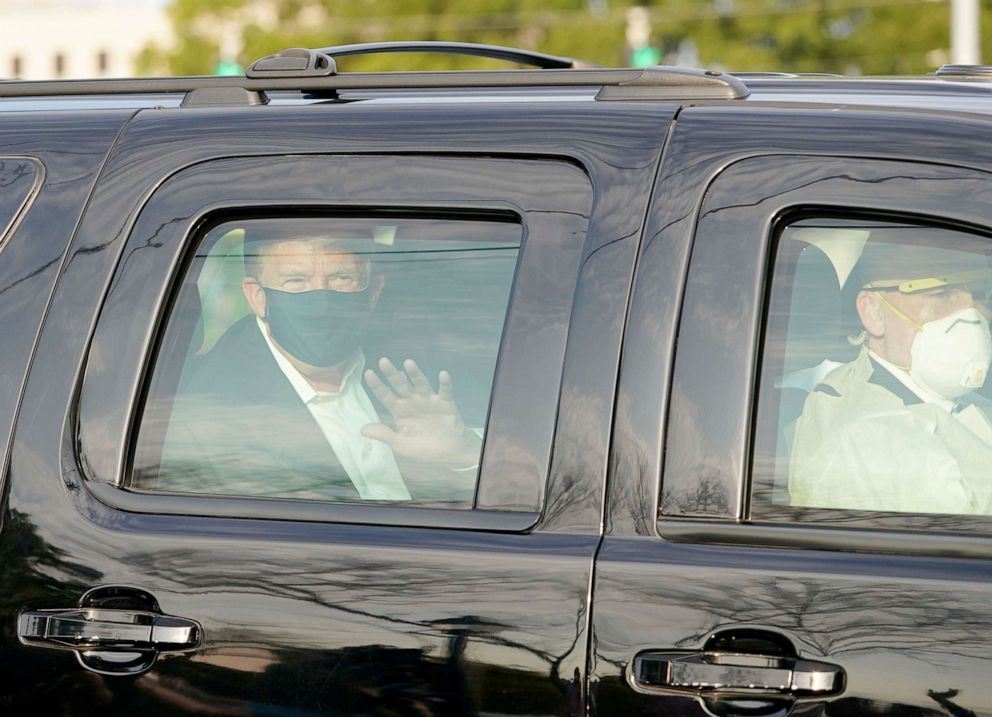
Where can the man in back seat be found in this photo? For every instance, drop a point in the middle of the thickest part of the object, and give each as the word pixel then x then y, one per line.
pixel 282 405
pixel 900 428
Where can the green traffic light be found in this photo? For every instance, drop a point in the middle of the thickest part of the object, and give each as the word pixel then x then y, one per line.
pixel 228 67
pixel 645 56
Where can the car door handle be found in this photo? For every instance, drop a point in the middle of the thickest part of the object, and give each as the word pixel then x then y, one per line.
pixel 107 629
pixel 110 641
pixel 115 630
pixel 737 673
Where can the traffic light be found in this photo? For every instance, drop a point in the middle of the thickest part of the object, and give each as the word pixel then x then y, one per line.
pixel 228 67
pixel 644 56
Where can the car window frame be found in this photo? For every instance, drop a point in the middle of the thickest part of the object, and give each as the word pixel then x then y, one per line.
pixel 751 198
pixel 184 281
pixel 104 462
pixel 18 209
pixel 788 514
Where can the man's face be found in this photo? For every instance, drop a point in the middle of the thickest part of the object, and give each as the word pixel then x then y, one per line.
pixel 892 335
pixel 310 333
pixel 304 265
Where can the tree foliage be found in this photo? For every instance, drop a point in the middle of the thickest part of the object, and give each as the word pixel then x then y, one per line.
pixel 845 36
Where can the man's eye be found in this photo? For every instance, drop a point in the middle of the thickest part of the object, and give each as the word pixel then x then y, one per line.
pixel 293 281
pixel 341 281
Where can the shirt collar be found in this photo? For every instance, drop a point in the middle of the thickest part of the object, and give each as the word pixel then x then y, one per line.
pixel 302 387
pixel 918 393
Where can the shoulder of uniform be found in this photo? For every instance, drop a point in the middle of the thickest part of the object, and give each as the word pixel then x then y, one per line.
pixel 827 389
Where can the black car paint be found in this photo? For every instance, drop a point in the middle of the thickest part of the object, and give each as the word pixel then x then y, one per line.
pixel 910 630
pixel 71 151
pixel 312 617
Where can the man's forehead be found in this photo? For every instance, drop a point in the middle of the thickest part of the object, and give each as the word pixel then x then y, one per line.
pixel 307 249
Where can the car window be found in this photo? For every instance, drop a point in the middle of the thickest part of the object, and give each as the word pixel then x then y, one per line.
pixel 874 397
pixel 331 359
pixel 20 180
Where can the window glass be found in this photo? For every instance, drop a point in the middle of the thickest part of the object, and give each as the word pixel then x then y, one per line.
pixel 335 359
pixel 874 395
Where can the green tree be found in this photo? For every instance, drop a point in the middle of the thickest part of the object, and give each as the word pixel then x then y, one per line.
pixel 843 36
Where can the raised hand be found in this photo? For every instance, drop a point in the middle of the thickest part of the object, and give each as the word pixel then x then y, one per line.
pixel 429 427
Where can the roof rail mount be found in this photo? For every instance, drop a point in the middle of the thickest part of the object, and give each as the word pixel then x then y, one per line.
pixel 222 96
pixel 661 82
pixel 295 62
pixel 495 52
pixel 983 72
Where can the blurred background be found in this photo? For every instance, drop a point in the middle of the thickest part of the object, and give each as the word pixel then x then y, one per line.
pixel 49 39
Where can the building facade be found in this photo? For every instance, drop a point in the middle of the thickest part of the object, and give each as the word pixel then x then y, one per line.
pixel 69 39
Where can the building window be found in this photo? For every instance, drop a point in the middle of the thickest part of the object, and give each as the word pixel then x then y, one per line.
pixel 102 62
pixel 59 65
pixel 16 66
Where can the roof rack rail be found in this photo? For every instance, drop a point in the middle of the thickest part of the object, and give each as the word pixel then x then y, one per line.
pixel 977 72
pixel 495 52
pixel 315 71
pixel 764 75
pixel 300 62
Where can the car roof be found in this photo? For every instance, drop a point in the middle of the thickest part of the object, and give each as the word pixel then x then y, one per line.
pixel 914 92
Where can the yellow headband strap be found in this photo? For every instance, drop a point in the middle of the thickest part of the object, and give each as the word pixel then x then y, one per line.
pixel 936 282
pixel 912 286
pixel 918 327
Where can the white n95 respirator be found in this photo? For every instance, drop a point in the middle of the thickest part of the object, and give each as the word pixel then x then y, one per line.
pixel 951 356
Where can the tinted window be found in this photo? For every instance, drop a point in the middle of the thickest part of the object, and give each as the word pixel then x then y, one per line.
pixel 335 359
pixel 874 396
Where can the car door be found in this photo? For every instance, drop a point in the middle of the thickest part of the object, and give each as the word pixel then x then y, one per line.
pixel 717 591
pixel 190 600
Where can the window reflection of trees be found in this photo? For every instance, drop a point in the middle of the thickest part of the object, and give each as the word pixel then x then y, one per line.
pixel 372 625
pixel 36 574
pixel 933 633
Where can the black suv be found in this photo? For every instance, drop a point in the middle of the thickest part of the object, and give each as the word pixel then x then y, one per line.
pixel 552 391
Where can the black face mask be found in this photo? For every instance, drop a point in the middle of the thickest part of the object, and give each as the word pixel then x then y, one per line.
pixel 321 327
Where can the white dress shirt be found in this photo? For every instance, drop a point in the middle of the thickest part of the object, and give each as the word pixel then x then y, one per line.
pixel 369 463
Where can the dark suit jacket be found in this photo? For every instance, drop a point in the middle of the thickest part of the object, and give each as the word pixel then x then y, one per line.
pixel 238 427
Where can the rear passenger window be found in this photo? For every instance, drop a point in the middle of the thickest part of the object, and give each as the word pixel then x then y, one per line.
pixel 874 394
pixel 330 359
